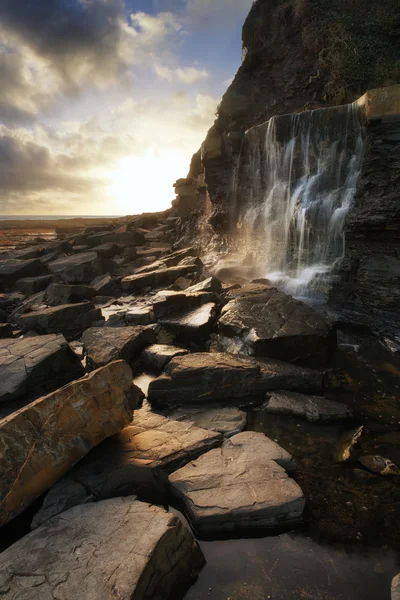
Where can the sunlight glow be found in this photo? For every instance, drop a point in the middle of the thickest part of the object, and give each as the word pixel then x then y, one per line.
pixel 144 183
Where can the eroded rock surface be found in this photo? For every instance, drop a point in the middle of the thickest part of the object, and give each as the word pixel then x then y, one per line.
pixel 61 293
pixel 239 486
pixel 81 268
pixel 105 344
pixel 116 548
pixel 36 365
pixel 312 408
pixel 228 420
pixel 156 278
pixel 42 441
pixel 69 319
pixel 157 356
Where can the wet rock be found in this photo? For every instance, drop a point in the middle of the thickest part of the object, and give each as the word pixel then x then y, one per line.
pixel 63 293
pixel 5 330
pixel 194 325
pixel 312 408
pixel 13 269
pixel 81 268
pixel 202 377
pixel 239 486
pixel 60 246
pixel 32 285
pixel 157 278
pixel 211 284
pixel 156 356
pixel 262 321
pixel 104 285
pixel 69 319
pixel 225 419
pixel 71 421
pixel 278 375
pixel 38 365
pixel 105 344
pixel 169 303
pixel 396 588
pixel 346 443
pixel 119 547
pixel 139 315
pixel 107 250
pixel 123 238
pixel 379 465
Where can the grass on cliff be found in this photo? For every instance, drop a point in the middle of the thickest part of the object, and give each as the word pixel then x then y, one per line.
pixel 355 42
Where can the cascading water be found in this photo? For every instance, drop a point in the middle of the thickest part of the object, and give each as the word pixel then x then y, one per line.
pixel 294 185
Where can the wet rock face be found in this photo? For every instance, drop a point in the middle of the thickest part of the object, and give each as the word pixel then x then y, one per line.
pixel 81 268
pixel 95 549
pixel 227 490
pixel 69 319
pixel 312 408
pixel 105 344
pixel 227 420
pixel 262 321
pixel 71 421
pixel 60 293
pixel 38 364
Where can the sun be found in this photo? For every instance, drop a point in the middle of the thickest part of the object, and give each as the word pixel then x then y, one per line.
pixel 144 183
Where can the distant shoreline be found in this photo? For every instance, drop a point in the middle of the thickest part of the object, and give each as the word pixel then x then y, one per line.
pixel 52 222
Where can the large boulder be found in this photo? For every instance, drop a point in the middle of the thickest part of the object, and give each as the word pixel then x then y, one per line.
pixel 119 548
pixel 262 321
pixel 64 293
pixel 312 408
pixel 13 269
pixel 193 325
pixel 69 319
pixel 36 365
pixel 157 278
pixel 105 344
pixel 42 441
pixel 81 268
pixel 239 486
pixel 279 375
pixel 32 285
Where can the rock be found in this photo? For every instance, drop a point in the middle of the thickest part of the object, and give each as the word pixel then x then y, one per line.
pixel 103 345
pixel 379 465
pixel 116 548
pixel 239 486
pixel 71 421
pixel 32 285
pixel 313 408
pixel 204 377
pixel 104 285
pixel 262 321
pixel 211 284
pixel 13 269
pixel 156 356
pixel 59 246
pixel 64 293
pixel 107 250
pixel 278 375
pixel 225 419
pixel 69 319
pixel 169 303
pixel 81 268
pixel 396 588
pixel 5 330
pixel 183 283
pixel 346 443
pixel 36 365
pixel 125 238
pixel 139 315
pixel 157 278
pixel 194 325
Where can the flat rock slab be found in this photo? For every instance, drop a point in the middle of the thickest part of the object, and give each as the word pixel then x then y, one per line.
pixel 312 408
pixel 262 321
pixel 192 325
pixel 13 269
pixel 38 365
pixel 239 486
pixel 204 377
pixel 105 344
pixel 81 268
pixel 228 420
pixel 32 285
pixel 119 548
pixel 156 278
pixel 64 293
pixel 157 356
pixel 279 375
pixel 42 441
pixel 69 319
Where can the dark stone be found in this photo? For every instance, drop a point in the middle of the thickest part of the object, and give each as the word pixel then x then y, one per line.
pixel 158 278
pixel 32 285
pixel 81 268
pixel 104 285
pixel 13 269
pixel 105 344
pixel 69 319
pixel 60 293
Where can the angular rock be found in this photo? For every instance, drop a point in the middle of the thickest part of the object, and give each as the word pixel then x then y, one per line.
pixel 227 420
pixel 157 278
pixel 13 269
pixel 156 356
pixel 64 293
pixel 36 365
pixel 211 284
pixel 278 375
pixel 104 285
pixel 239 486
pixel 169 303
pixel 262 321
pixel 81 268
pixel 59 246
pixel 124 238
pixel 119 548
pixel 69 319
pixel 396 588
pixel 105 344
pixel 312 408
pixel 32 285
pixel 107 250
pixel 70 422
pixel 193 325
pixel 379 465
pixel 139 315
pixel 204 377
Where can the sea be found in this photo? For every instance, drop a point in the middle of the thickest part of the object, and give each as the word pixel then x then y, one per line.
pixel 54 217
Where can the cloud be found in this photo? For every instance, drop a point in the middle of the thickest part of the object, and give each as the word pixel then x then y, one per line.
pixel 186 75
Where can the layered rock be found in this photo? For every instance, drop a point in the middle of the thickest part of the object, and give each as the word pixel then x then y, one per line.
pixel 42 441
pixel 13 269
pixel 32 285
pixel 157 278
pixel 60 293
pixel 227 420
pixel 36 365
pixel 69 319
pixel 312 408
pixel 81 268
pixel 105 344
pixel 118 546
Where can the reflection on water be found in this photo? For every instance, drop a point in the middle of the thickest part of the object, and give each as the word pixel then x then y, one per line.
pixel 291 567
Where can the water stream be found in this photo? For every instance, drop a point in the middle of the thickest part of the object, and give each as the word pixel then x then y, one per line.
pixel 293 188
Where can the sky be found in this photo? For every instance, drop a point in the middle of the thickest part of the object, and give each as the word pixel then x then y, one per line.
pixel 103 102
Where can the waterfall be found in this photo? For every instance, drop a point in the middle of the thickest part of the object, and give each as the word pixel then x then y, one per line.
pixel 294 186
